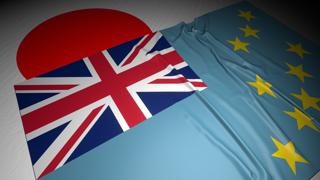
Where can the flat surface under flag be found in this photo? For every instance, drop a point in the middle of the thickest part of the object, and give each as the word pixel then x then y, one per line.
pixel 258 118
pixel 73 109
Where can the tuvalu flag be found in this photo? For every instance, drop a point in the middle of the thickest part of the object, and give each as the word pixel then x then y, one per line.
pixel 258 118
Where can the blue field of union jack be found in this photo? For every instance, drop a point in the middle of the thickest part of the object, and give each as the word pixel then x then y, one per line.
pixel 73 109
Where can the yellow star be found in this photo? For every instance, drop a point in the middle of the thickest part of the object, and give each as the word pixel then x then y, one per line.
pixel 298 71
pixel 307 101
pixel 246 15
pixel 302 119
pixel 298 49
pixel 248 31
pixel 288 153
pixel 239 45
pixel 262 87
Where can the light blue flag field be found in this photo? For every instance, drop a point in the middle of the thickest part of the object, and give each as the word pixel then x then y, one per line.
pixel 257 119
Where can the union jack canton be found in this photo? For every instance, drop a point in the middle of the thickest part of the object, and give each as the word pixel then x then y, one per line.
pixel 75 108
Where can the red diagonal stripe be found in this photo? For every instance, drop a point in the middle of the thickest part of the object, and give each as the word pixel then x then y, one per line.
pixel 198 84
pixel 65 149
pixel 148 68
pixel 137 49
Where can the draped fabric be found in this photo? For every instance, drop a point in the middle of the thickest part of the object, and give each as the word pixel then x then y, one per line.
pixel 258 118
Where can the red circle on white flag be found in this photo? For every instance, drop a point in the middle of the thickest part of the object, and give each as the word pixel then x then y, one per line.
pixel 71 36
